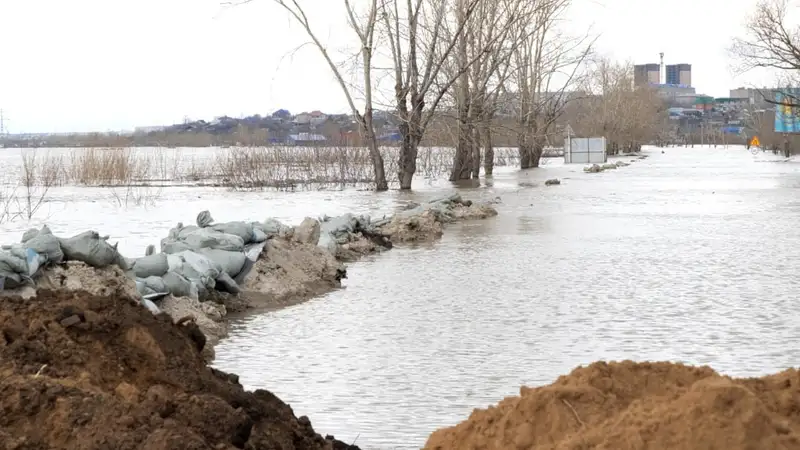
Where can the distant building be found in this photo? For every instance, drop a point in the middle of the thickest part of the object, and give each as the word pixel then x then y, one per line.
pixel 644 74
pixel 679 74
pixel 672 92
pixel 753 96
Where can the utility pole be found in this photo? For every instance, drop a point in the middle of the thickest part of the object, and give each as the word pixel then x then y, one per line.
pixel 2 123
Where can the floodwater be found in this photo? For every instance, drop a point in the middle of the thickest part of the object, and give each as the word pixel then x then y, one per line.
pixel 691 255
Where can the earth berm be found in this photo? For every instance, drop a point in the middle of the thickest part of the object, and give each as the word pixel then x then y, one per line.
pixel 638 406
pixel 80 371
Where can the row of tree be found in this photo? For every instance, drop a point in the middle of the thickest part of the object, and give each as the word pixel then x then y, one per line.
pixel 472 61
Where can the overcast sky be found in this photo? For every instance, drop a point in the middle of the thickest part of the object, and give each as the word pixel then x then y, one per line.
pixel 81 65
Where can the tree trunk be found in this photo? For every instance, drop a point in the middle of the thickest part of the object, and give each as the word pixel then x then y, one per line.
pixel 525 149
pixel 410 130
pixel 488 153
pixel 536 152
pixel 476 153
pixel 374 152
pixel 462 161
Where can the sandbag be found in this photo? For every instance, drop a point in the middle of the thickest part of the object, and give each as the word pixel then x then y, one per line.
pixel 13 269
pixel 171 247
pixel 204 219
pixel 30 234
pixel 229 262
pixel 155 284
pixel 226 284
pixel 179 286
pixel 206 238
pixel 153 265
pixel 259 235
pixel 272 227
pixel 45 243
pixel 202 266
pixel 90 248
pixel 242 229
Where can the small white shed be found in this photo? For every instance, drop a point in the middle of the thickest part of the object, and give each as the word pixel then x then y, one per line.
pixel 585 150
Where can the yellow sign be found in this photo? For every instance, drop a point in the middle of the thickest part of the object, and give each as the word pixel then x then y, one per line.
pixel 755 142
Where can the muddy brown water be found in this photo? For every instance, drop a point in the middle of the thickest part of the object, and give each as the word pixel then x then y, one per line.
pixel 690 255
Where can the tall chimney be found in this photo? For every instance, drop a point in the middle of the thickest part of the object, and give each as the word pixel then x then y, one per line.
pixel 661 69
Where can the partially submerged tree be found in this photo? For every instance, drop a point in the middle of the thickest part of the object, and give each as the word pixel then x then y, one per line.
pixel 546 54
pixel 483 70
pixel 365 30
pixel 422 43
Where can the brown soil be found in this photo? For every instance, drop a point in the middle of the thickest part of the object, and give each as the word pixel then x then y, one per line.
pixel 79 371
pixel 627 405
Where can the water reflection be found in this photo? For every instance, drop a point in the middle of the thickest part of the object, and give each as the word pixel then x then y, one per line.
pixel 690 255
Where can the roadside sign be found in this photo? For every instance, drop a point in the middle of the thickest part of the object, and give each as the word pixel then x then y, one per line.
pixel 755 142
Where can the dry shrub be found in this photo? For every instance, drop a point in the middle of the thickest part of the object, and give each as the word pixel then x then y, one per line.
pixel 318 167
pixel 111 167
pixel 135 195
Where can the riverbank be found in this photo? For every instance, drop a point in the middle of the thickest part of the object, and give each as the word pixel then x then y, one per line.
pixel 85 371
pixel 208 270
pixel 628 405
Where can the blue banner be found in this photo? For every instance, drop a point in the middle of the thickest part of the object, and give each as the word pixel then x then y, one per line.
pixel 786 119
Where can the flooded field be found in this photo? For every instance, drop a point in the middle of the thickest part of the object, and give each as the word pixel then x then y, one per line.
pixel 690 255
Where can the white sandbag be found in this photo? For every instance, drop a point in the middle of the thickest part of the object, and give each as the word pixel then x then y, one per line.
pixel 272 227
pixel 242 229
pixel 202 265
pixel 174 263
pixel 226 284
pixel 179 286
pixel 91 249
pixel 259 235
pixel 30 234
pixel 204 219
pixel 229 262
pixel 171 247
pixel 45 243
pixel 207 238
pixel 153 265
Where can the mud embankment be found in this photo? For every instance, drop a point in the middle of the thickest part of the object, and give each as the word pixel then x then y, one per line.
pixel 79 371
pixel 638 406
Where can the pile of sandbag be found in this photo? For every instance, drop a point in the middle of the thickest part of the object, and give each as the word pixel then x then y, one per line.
pixel 338 231
pixel 19 263
pixel 197 259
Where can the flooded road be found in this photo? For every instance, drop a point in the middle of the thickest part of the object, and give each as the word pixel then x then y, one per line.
pixel 687 256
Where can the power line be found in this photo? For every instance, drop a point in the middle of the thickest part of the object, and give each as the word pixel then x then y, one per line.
pixel 3 120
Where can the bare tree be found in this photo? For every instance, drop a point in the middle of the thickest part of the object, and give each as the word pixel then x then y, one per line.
pixel 365 30
pixel 421 46
pixel 483 70
pixel 626 116
pixel 770 42
pixel 546 52
pixel 38 176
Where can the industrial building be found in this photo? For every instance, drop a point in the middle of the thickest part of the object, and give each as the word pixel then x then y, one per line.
pixel 679 74
pixel 644 74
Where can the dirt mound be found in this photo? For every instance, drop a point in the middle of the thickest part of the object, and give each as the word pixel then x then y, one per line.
pixel 627 405
pixel 80 371
pixel 289 272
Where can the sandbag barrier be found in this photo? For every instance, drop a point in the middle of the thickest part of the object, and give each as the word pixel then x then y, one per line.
pixel 198 259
